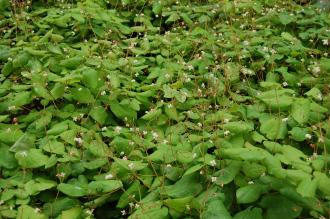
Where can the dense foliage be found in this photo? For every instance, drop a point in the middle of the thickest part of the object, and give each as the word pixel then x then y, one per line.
pixel 164 109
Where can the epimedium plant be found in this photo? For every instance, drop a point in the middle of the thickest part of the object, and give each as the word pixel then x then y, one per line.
pixel 164 109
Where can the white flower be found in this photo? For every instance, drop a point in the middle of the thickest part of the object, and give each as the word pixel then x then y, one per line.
pixel 316 69
pixel 250 182
pixel 213 163
pixel 226 120
pixel 226 133
pixel 118 129
pixel 145 132
pixel 246 43
pixel 137 205
pixel 200 124
pixel 285 119
pixel 89 211
pixel 170 105
pixel 108 176
pixel 122 153
pixel 78 140
pixel 124 158
pixel 23 153
pixel 190 67
pixel 321 140
pixel 123 212
pixel 167 76
pixel 11 107
pixel 103 93
pixel 131 166
pixel 155 135
pixel 308 136
pixel 37 210
pixel 325 42
pixel 285 84
pixel 165 141
pixel 213 179
pixel 131 204
pixel 60 175
pixel 168 166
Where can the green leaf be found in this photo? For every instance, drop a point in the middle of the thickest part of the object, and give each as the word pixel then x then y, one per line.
pixel 150 210
pixel 90 78
pixel 178 204
pixel 32 158
pixel 239 127
pixel 72 190
pixel 99 114
pixel 307 187
pixel 273 128
pixel 250 193
pixel 249 213
pixel 25 142
pixel 104 186
pixel 227 174
pixel 188 185
pixel 280 207
pixel 193 169
pixel 27 212
pixel 215 209
pixel 73 213
pixel 7 159
pixel 53 209
pixel 82 95
pixel 300 110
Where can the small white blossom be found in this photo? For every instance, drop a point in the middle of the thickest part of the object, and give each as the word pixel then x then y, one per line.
pixel 285 84
pixel 316 69
pixel 213 163
pixel 168 166
pixel 123 212
pixel 226 120
pixel 122 153
pixel 213 179
pixel 124 158
pixel 118 129
pixel 250 182
pixel 165 141
pixel 131 166
pixel 104 128
pixel 103 93
pixel 37 210
pixel 131 204
pixel 285 119
pixel 200 124
pixel 308 136
pixel 170 105
pixel 60 175
pixel 78 140
pixel 23 153
pixel 155 135
pixel 108 176
pixel 325 42
pixel 137 205
pixel 11 107
pixel 226 133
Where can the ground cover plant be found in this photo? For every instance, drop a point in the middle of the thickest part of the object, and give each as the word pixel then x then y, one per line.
pixel 164 109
